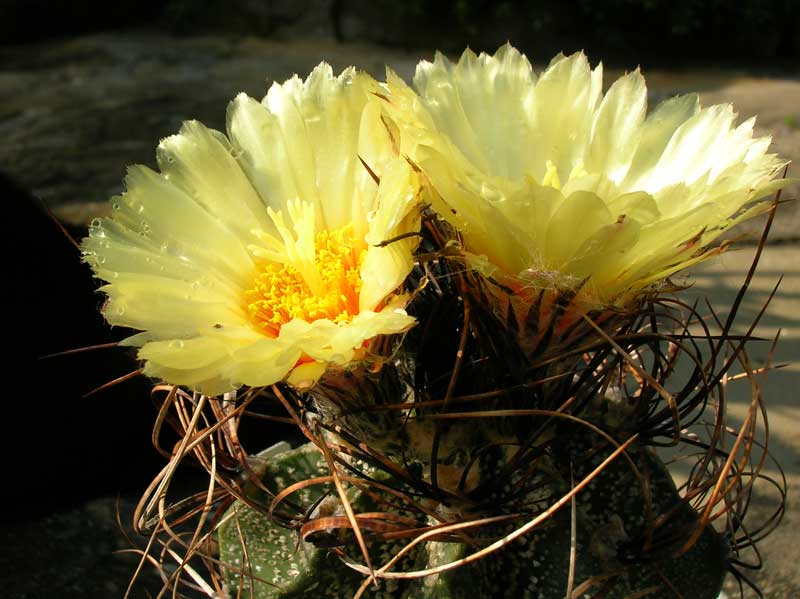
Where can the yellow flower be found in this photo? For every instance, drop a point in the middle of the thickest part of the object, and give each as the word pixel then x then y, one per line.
pixel 557 185
pixel 256 255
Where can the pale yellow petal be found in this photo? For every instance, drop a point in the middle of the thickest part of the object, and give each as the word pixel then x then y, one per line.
pixel 167 307
pixel 378 143
pixel 203 363
pixel 367 324
pixel 639 206
pixel 317 137
pixel 602 256
pixel 465 198
pixel 200 162
pixel 657 130
pixel 205 380
pixel 254 134
pixel 685 157
pixel 617 127
pixel 385 267
pixel 305 375
pixel 264 362
pixel 561 113
pixel 480 104
pixel 155 226
pixel 579 217
pixel 326 341
pixel 188 354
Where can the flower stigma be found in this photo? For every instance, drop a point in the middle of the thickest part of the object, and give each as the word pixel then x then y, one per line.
pixel 328 288
pixel 551 175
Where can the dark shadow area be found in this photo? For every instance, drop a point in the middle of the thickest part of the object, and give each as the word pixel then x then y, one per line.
pixel 67 456
pixel 75 464
pixel 66 447
pixel 657 31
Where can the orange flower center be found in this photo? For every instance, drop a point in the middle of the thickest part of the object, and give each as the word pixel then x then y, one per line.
pixel 281 292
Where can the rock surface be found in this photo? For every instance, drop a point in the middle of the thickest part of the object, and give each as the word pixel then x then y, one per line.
pixel 720 280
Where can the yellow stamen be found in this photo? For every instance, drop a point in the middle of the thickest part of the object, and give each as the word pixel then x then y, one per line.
pixel 577 172
pixel 552 179
pixel 551 176
pixel 280 293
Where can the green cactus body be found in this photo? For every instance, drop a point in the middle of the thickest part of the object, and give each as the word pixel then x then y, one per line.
pixel 610 518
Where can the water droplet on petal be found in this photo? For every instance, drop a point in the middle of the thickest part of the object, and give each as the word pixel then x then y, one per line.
pixel 176 344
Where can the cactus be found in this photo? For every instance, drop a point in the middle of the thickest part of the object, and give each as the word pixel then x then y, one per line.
pixel 469 323
pixel 274 563
pixel 565 496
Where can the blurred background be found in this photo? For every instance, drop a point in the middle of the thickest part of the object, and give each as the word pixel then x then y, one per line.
pixel 88 87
